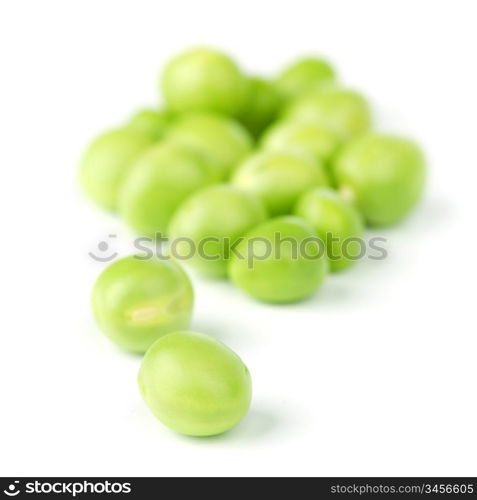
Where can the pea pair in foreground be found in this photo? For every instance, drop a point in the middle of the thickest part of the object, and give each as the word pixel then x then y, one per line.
pixel 192 383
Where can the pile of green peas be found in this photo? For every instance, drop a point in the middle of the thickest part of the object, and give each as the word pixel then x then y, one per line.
pixel 237 160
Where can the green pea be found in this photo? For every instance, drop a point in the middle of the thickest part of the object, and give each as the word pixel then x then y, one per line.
pixel 194 384
pixel 337 223
pixel 262 105
pixel 158 183
pixel 224 141
pixel 206 226
pixel 342 111
pixel 203 80
pixel 384 175
pixel 150 122
pixel 137 301
pixel 106 162
pixel 281 260
pixel 279 178
pixel 308 138
pixel 305 75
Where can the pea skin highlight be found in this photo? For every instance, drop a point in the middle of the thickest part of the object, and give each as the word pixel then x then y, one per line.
pixel 279 178
pixel 203 79
pixel 224 142
pixel 281 260
pixel 135 301
pixel 158 183
pixel 383 174
pixel 337 222
pixel 306 138
pixel 107 161
pixel 194 384
pixel 151 122
pixel 212 220
pixel 304 75
pixel 342 111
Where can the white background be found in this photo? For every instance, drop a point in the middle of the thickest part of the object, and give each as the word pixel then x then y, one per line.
pixel 375 375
